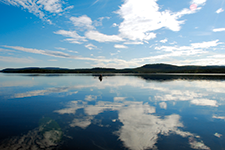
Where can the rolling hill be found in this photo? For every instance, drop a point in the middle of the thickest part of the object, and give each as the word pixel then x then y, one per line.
pixel 148 68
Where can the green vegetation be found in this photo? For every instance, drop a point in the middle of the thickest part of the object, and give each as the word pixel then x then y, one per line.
pixel 149 68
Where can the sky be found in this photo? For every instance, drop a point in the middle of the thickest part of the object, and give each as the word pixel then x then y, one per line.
pixel 111 33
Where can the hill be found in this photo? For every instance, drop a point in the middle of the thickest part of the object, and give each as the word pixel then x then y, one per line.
pixel 148 68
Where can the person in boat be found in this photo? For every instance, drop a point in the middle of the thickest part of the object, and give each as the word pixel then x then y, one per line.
pixel 100 77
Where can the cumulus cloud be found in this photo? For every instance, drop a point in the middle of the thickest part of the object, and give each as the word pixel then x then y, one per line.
pixel 163 105
pixel 218 29
pixel 61 48
pixel 53 6
pixel 119 98
pixel 219 10
pixel 163 41
pixel 205 44
pixel 218 117
pixel 74 37
pixel 204 102
pixel 84 22
pixel 115 25
pixel 139 25
pixel 99 21
pixel 193 48
pixel 97 36
pixel 90 97
pixel 135 43
pixel 198 2
pixel 120 46
pixel 39 8
pixel 90 46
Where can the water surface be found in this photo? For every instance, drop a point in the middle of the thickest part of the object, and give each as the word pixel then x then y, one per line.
pixel 137 112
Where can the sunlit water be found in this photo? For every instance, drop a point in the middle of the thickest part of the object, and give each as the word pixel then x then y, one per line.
pixel 137 112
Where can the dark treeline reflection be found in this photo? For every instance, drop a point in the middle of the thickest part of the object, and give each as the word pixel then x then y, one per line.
pixel 171 77
pixel 153 77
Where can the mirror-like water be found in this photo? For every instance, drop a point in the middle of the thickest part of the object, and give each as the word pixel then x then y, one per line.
pixel 134 112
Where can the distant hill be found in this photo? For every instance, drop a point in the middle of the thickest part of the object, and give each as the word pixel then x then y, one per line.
pixel 148 68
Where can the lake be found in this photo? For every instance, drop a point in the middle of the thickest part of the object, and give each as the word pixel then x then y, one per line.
pixel 136 112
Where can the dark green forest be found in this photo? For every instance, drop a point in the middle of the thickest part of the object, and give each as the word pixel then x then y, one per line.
pixel 148 68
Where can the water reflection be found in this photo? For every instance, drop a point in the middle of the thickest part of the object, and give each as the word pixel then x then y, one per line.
pixel 100 78
pixel 199 92
pixel 141 125
pixel 46 136
pixel 138 114
pixel 170 77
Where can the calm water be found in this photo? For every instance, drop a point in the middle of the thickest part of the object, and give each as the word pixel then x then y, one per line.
pixel 134 112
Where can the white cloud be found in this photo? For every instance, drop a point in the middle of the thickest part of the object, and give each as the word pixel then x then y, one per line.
pixel 53 6
pixel 163 105
pixel 172 43
pixel 43 52
pixel 209 60
pixel 74 37
pixel 205 44
pixel 115 25
pixel 119 98
pixel 138 24
pixel 219 117
pixel 97 36
pixel 219 10
pixel 84 22
pixel 120 46
pixel 135 43
pixel 90 46
pixel 218 29
pixel 163 41
pixel 90 97
pixel 99 21
pixel 61 48
pixel 39 7
pixel 5 50
pixel 204 102
pixel 198 2
pixel 104 62
pixel 115 53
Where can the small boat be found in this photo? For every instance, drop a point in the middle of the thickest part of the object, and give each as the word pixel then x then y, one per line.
pixel 100 77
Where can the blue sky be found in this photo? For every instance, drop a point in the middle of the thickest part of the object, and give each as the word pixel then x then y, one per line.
pixel 111 33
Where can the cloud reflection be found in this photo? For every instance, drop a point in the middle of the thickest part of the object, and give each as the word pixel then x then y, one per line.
pixel 82 122
pixel 197 92
pixel 46 136
pixel 141 126
pixel 45 92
